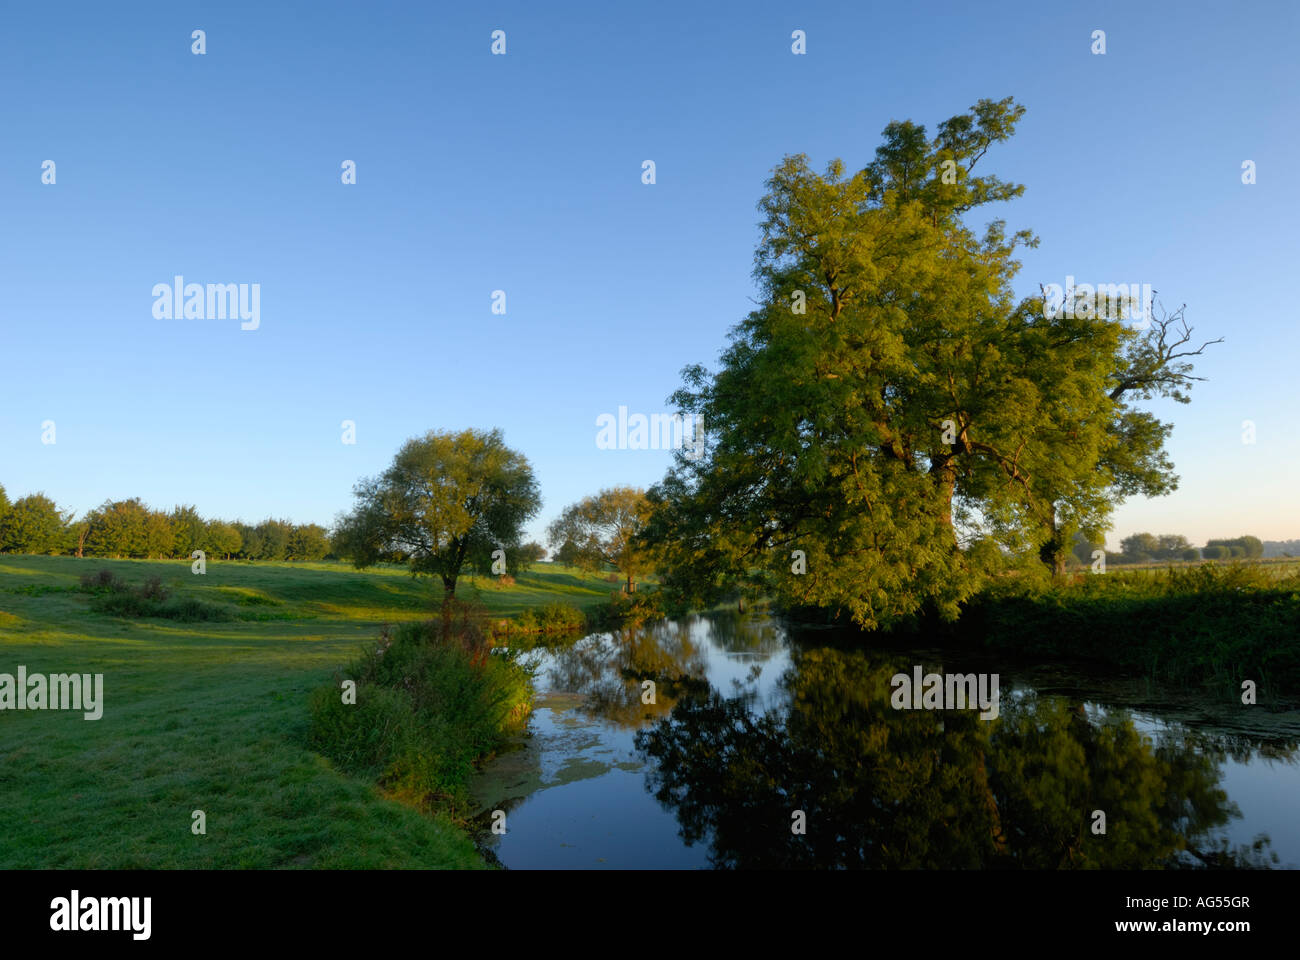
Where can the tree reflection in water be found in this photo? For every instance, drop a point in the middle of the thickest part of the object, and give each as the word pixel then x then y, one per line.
pixel 905 789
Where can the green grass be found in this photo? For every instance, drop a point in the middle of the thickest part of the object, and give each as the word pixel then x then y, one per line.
pixel 213 716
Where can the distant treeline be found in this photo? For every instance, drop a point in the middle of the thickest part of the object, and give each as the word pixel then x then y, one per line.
pixel 1149 548
pixel 130 528
pixel 1282 548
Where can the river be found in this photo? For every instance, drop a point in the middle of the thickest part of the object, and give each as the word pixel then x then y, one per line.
pixel 763 745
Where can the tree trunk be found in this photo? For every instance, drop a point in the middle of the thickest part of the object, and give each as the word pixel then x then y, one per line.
pixel 946 478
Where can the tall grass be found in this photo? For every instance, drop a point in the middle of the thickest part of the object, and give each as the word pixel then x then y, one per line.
pixel 433 699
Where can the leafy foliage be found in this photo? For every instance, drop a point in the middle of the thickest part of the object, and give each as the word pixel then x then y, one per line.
pixel 448 501
pixel 603 530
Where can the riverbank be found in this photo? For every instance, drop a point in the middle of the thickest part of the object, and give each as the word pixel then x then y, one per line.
pixel 212 716
pixel 1204 626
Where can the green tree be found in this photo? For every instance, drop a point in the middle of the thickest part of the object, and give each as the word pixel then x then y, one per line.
pixel 532 552
pixel 447 499
pixel 567 554
pixel 32 524
pixel 273 539
pixel 1140 547
pixel 119 528
pixel 250 541
pixel 604 529
pixel 1171 546
pixel 159 534
pixel 1253 546
pixel 1154 364
pixel 188 530
pixel 887 389
pixel 221 539
pixel 308 541
pixel 1245 547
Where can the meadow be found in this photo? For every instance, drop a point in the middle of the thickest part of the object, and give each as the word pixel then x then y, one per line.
pixel 213 716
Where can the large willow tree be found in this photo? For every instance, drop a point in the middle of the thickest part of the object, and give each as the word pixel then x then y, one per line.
pixel 889 386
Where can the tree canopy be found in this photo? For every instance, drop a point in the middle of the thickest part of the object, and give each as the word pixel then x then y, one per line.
pixel 889 396
pixel 447 502
pixel 603 529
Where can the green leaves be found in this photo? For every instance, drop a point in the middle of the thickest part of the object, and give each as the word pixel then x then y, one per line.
pixel 603 529
pixel 889 383
pixel 447 501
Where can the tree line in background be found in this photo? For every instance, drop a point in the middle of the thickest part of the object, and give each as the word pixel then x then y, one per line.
pixel 1167 547
pixel 130 528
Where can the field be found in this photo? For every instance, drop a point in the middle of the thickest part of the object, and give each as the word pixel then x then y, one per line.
pixel 212 716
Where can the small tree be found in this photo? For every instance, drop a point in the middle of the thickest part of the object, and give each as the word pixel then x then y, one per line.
pixel 447 500
pixel 567 554
pixel 604 528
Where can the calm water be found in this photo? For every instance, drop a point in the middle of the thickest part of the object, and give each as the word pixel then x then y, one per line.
pixel 752 721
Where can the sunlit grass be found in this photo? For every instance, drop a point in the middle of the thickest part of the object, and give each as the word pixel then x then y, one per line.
pixel 212 716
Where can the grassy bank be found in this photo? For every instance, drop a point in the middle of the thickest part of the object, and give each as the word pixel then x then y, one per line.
pixel 212 715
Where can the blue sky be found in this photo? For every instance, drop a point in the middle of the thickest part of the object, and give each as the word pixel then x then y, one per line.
pixel 523 173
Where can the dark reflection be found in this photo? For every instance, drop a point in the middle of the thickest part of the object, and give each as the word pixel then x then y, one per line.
pixel 886 788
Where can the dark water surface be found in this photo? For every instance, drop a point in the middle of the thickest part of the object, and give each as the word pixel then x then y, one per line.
pixel 753 720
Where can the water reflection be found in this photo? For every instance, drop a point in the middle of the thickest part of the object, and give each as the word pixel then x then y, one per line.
pixel 747 726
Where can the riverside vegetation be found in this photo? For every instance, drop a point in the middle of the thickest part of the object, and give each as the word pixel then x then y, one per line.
pixel 210 712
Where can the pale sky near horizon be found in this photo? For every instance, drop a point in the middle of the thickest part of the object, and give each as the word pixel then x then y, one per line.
pixel 523 173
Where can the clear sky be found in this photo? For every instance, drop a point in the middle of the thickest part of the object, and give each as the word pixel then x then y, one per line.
pixel 523 173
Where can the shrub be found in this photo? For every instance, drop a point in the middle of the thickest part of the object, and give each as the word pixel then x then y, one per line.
pixel 103 581
pixel 550 620
pixel 432 700
pixel 154 590
pixel 116 597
